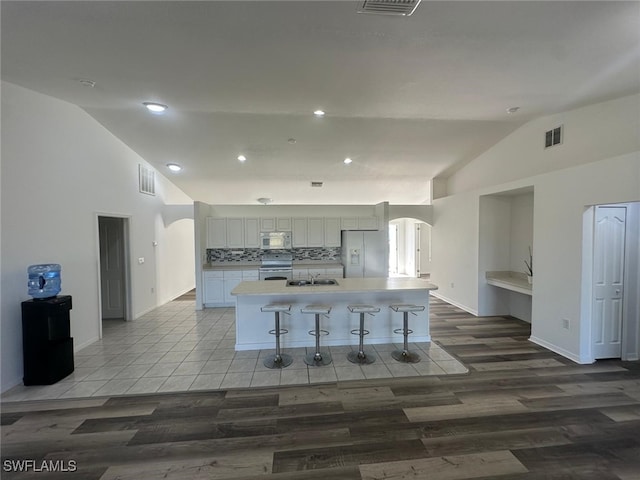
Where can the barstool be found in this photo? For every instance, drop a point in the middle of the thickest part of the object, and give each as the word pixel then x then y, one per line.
pixel 277 360
pixel 405 355
pixel 318 358
pixel 360 356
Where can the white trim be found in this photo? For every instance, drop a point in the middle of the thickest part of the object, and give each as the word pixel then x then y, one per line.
pixel 128 283
pixel 561 351
pixel 454 303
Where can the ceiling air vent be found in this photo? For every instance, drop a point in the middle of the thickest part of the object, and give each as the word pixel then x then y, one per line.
pixel 389 7
pixel 553 137
pixel 146 180
pixel 316 184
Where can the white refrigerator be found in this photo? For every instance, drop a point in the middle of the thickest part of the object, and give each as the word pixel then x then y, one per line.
pixel 364 254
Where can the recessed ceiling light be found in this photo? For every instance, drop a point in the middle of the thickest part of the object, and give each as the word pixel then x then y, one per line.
pixel 513 109
pixel 319 113
pixel 87 83
pixel 347 161
pixel 265 201
pixel 174 167
pixel 242 158
pixel 155 107
pixel 292 141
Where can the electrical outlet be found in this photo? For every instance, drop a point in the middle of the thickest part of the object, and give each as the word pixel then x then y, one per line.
pixel 140 260
pixel 565 323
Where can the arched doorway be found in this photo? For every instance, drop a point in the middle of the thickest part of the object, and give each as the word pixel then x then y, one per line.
pixel 409 248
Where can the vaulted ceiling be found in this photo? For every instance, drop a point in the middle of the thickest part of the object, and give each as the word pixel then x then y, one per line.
pixel 406 98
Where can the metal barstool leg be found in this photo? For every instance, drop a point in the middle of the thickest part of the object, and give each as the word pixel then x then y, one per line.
pixel 318 358
pixel 405 355
pixel 360 356
pixel 278 360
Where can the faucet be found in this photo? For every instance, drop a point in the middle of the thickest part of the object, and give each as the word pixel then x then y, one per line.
pixel 313 277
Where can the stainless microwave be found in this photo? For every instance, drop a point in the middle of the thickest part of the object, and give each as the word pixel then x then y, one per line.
pixel 275 240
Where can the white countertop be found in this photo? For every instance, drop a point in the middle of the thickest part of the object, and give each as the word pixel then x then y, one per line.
pixel 345 285
pixel 514 281
pixel 231 266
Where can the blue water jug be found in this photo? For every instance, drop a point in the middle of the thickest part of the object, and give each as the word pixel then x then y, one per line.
pixel 44 280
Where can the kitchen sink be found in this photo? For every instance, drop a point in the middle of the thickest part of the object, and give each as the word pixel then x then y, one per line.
pixel 309 283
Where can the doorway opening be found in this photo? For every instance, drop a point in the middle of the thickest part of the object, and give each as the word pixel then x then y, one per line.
pixel 114 268
pixel 409 248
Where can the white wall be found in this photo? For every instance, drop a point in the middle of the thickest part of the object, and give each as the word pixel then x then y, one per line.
pixel 60 168
pixel 521 233
pixel 454 245
pixel 592 133
pixel 609 173
pixel 292 211
pixel 494 252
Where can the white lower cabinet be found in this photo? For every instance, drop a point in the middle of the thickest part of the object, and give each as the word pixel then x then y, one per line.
pixel 300 273
pixel 317 272
pixel 231 281
pixel 218 285
pixel 334 272
pixel 213 288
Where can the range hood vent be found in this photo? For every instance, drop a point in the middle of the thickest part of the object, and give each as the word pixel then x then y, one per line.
pixel 389 7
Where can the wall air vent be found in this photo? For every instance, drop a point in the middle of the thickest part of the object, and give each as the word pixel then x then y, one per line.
pixel 553 137
pixel 146 180
pixel 389 7
pixel 316 184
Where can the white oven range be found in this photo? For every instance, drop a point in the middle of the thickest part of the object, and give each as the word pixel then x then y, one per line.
pixel 276 266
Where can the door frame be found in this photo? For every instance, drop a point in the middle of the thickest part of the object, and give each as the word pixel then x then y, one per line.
pixel 629 343
pixel 126 242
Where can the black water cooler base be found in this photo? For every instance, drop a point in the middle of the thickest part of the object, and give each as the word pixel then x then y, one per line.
pixel 51 365
pixel 46 341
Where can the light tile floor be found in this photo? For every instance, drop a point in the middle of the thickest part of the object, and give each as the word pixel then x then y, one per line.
pixel 176 348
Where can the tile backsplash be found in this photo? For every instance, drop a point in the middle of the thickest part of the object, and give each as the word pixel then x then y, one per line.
pixel 230 255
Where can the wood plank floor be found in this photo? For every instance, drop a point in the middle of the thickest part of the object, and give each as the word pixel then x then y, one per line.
pixel 522 412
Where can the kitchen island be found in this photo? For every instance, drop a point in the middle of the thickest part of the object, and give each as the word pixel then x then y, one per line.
pixel 252 325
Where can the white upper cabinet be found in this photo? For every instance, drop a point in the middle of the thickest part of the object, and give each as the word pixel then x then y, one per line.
pixel 268 224
pixel 332 232
pixel 239 232
pixel 315 232
pixel 299 232
pixel 359 223
pixel 235 232
pixel 279 224
pixel 216 232
pixel 367 223
pixel 283 224
pixel 252 232
pixel 349 223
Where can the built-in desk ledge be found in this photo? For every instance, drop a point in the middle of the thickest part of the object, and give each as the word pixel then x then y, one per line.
pixel 514 281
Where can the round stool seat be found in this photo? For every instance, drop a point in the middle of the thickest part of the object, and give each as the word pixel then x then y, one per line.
pixel 320 309
pixel 276 307
pixel 318 358
pixel 362 308
pixel 402 307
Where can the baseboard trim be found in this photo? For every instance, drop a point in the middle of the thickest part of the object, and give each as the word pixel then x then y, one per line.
pixel 454 303
pixel 560 351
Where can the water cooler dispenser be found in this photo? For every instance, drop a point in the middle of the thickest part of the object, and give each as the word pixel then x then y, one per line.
pixel 47 344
